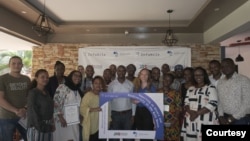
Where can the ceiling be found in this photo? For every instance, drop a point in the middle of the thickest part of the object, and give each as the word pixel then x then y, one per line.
pixel 9 42
pixel 125 16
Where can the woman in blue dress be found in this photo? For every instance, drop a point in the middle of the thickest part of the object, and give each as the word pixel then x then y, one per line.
pixel 143 117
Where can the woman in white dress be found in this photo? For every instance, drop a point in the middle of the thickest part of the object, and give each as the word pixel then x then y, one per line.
pixel 67 94
pixel 200 106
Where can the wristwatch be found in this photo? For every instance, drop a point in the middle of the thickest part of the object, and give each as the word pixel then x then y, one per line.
pixel 229 120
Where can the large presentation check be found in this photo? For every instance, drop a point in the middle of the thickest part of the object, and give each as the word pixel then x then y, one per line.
pixel 152 101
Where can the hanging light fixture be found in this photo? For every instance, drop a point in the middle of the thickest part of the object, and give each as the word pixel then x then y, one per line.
pixel 42 26
pixel 169 39
pixel 239 58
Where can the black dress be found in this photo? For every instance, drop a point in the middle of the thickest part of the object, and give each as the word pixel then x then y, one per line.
pixel 40 110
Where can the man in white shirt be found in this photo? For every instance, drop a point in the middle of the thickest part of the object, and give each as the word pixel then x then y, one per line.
pixel 122 109
pixel 233 94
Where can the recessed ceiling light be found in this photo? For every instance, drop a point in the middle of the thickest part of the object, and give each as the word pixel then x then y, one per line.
pixel 24 12
pixel 216 9
pixel 142 29
pixel 126 32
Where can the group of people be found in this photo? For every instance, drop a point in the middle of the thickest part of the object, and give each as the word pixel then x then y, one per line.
pixel 191 98
pixel 219 99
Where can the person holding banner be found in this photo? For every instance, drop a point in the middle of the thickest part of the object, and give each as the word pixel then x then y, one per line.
pixel 66 108
pixel 122 109
pixel 143 117
pixel 90 109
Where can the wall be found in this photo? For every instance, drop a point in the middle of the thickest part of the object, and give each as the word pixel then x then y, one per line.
pixel 46 56
pixel 232 52
pixel 243 67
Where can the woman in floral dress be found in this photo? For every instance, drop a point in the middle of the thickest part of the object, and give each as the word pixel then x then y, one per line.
pixel 67 94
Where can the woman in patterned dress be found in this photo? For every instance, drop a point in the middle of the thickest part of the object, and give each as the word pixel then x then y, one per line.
pixel 67 94
pixel 200 104
pixel 172 109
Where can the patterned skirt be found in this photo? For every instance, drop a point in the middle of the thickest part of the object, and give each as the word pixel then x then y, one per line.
pixel 35 135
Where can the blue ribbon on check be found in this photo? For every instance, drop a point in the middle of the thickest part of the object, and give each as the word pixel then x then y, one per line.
pixel 146 101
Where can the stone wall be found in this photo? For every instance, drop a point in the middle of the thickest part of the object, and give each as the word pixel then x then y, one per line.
pixel 46 56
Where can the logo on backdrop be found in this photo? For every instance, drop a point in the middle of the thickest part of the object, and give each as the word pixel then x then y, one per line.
pixel 94 54
pixel 115 53
pixel 142 66
pixel 145 54
pixel 170 52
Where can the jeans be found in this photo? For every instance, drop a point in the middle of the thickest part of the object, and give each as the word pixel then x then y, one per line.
pixel 121 121
pixel 8 127
pixel 242 121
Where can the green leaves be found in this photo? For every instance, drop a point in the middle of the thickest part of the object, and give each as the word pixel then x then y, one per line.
pixel 26 56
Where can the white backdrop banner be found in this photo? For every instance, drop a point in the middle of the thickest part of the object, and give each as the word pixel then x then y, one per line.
pixel 141 56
